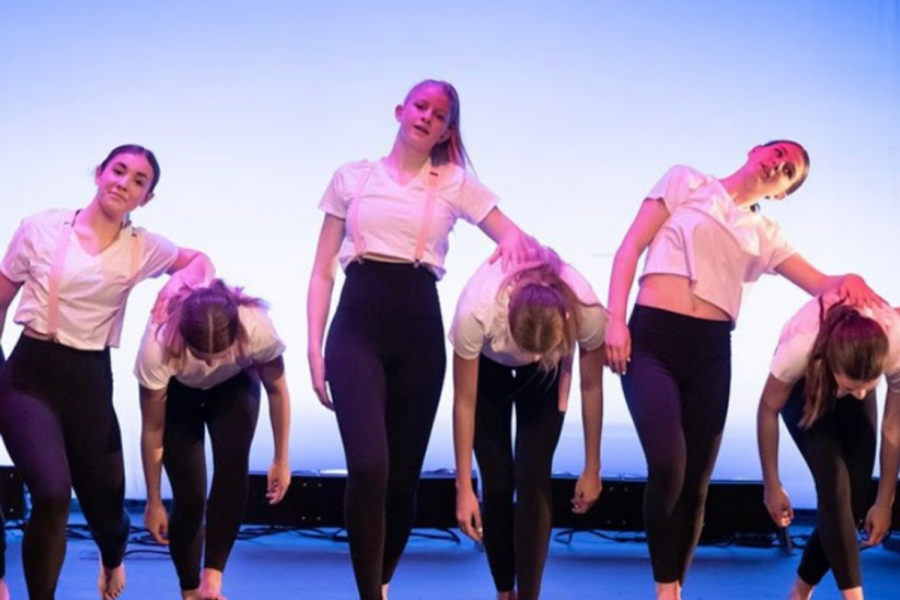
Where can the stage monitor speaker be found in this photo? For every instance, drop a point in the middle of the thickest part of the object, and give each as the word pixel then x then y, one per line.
pixel 12 494
pixel 316 499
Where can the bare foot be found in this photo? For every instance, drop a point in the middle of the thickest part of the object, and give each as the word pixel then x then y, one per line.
pixel 4 591
pixel 111 582
pixel 668 591
pixel 190 595
pixel 510 595
pixel 384 591
pixel 210 585
pixel 800 590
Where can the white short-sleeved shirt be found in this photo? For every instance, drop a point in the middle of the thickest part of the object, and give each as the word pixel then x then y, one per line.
pixel 799 334
pixel 263 346
pixel 707 238
pixel 390 215
pixel 93 289
pixel 481 322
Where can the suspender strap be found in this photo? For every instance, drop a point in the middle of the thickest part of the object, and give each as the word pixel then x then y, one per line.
pixel 359 246
pixel 59 259
pixel 434 178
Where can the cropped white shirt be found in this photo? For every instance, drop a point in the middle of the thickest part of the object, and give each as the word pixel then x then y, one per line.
pixel 707 238
pixel 386 218
pixel 263 345
pixel 93 289
pixel 799 334
pixel 481 322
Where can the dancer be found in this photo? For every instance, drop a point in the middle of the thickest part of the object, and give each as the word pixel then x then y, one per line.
pixel 514 336
pixel 76 269
pixel 705 243
pixel 387 223
pixel 201 369
pixel 822 381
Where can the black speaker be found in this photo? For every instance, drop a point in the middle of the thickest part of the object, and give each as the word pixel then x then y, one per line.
pixel 12 494
pixel 316 499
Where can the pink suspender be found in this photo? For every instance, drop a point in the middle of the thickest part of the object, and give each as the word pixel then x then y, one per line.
pixel 359 247
pixel 59 260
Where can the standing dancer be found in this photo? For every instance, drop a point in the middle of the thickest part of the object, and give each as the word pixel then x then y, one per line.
pixel 822 381
pixel 705 243
pixel 76 269
pixel 514 337
pixel 201 369
pixel 387 222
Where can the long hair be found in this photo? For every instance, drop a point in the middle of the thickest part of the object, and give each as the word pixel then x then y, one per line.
pixel 451 150
pixel 543 310
pixel 205 320
pixel 847 343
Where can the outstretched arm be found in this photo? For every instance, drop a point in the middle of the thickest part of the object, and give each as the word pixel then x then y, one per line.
pixel 318 301
pixel 465 389
pixel 851 287
pixel 153 427
pixel 651 216
pixel 273 379
pixel 774 396
pixel 190 270
pixel 588 487
pixel 513 245
pixel 878 521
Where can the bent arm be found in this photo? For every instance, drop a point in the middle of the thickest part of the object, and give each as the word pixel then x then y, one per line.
pixel 850 286
pixel 191 268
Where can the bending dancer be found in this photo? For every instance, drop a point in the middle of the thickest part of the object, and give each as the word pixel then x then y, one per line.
pixel 822 381
pixel 514 337
pixel 76 269
pixel 387 222
pixel 705 243
pixel 201 369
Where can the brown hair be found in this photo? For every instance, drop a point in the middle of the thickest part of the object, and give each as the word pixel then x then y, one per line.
pixel 206 320
pixel 543 311
pixel 139 151
pixel 847 343
pixel 451 150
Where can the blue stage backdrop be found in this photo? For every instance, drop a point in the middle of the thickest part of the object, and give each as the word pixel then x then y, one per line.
pixel 571 110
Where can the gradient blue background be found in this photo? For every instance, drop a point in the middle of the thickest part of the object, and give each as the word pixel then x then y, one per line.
pixel 570 110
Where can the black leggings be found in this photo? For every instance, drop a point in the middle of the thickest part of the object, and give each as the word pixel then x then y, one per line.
pixel 516 534
pixel 59 425
pixel 2 520
pixel 677 387
pixel 385 363
pixel 840 451
pixel 229 410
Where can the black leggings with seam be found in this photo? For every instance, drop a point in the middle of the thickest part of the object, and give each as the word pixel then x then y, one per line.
pixel 839 449
pixel 385 362
pixel 59 425
pixel 229 411
pixel 516 533
pixel 677 389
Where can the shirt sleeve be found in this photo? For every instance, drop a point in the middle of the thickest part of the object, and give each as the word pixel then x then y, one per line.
pixel 792 356
pixel 16 261
pixel 158 254
pixel 475 200
pixel 778 249
pixel 149 368
pixel 674 187
pixel 336 199
pixel 467 333
pixel 591 314
pixel 265 345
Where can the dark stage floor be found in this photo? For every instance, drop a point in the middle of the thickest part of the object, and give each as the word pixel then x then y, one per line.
pixel 290 565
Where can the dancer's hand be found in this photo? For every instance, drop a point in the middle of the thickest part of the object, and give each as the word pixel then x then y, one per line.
pixel 317 374
pixel 618 345
pixel 516 247
pixel 278 482
pixel 779 505
pixel 156 520
pixel 877 524
pixel 587 490
pixel 856 292
pixel 468 514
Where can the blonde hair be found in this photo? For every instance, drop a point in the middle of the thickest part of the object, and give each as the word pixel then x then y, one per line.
pixel 847 343
pixel 451 150
pixel 544 314
pixel 205 320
